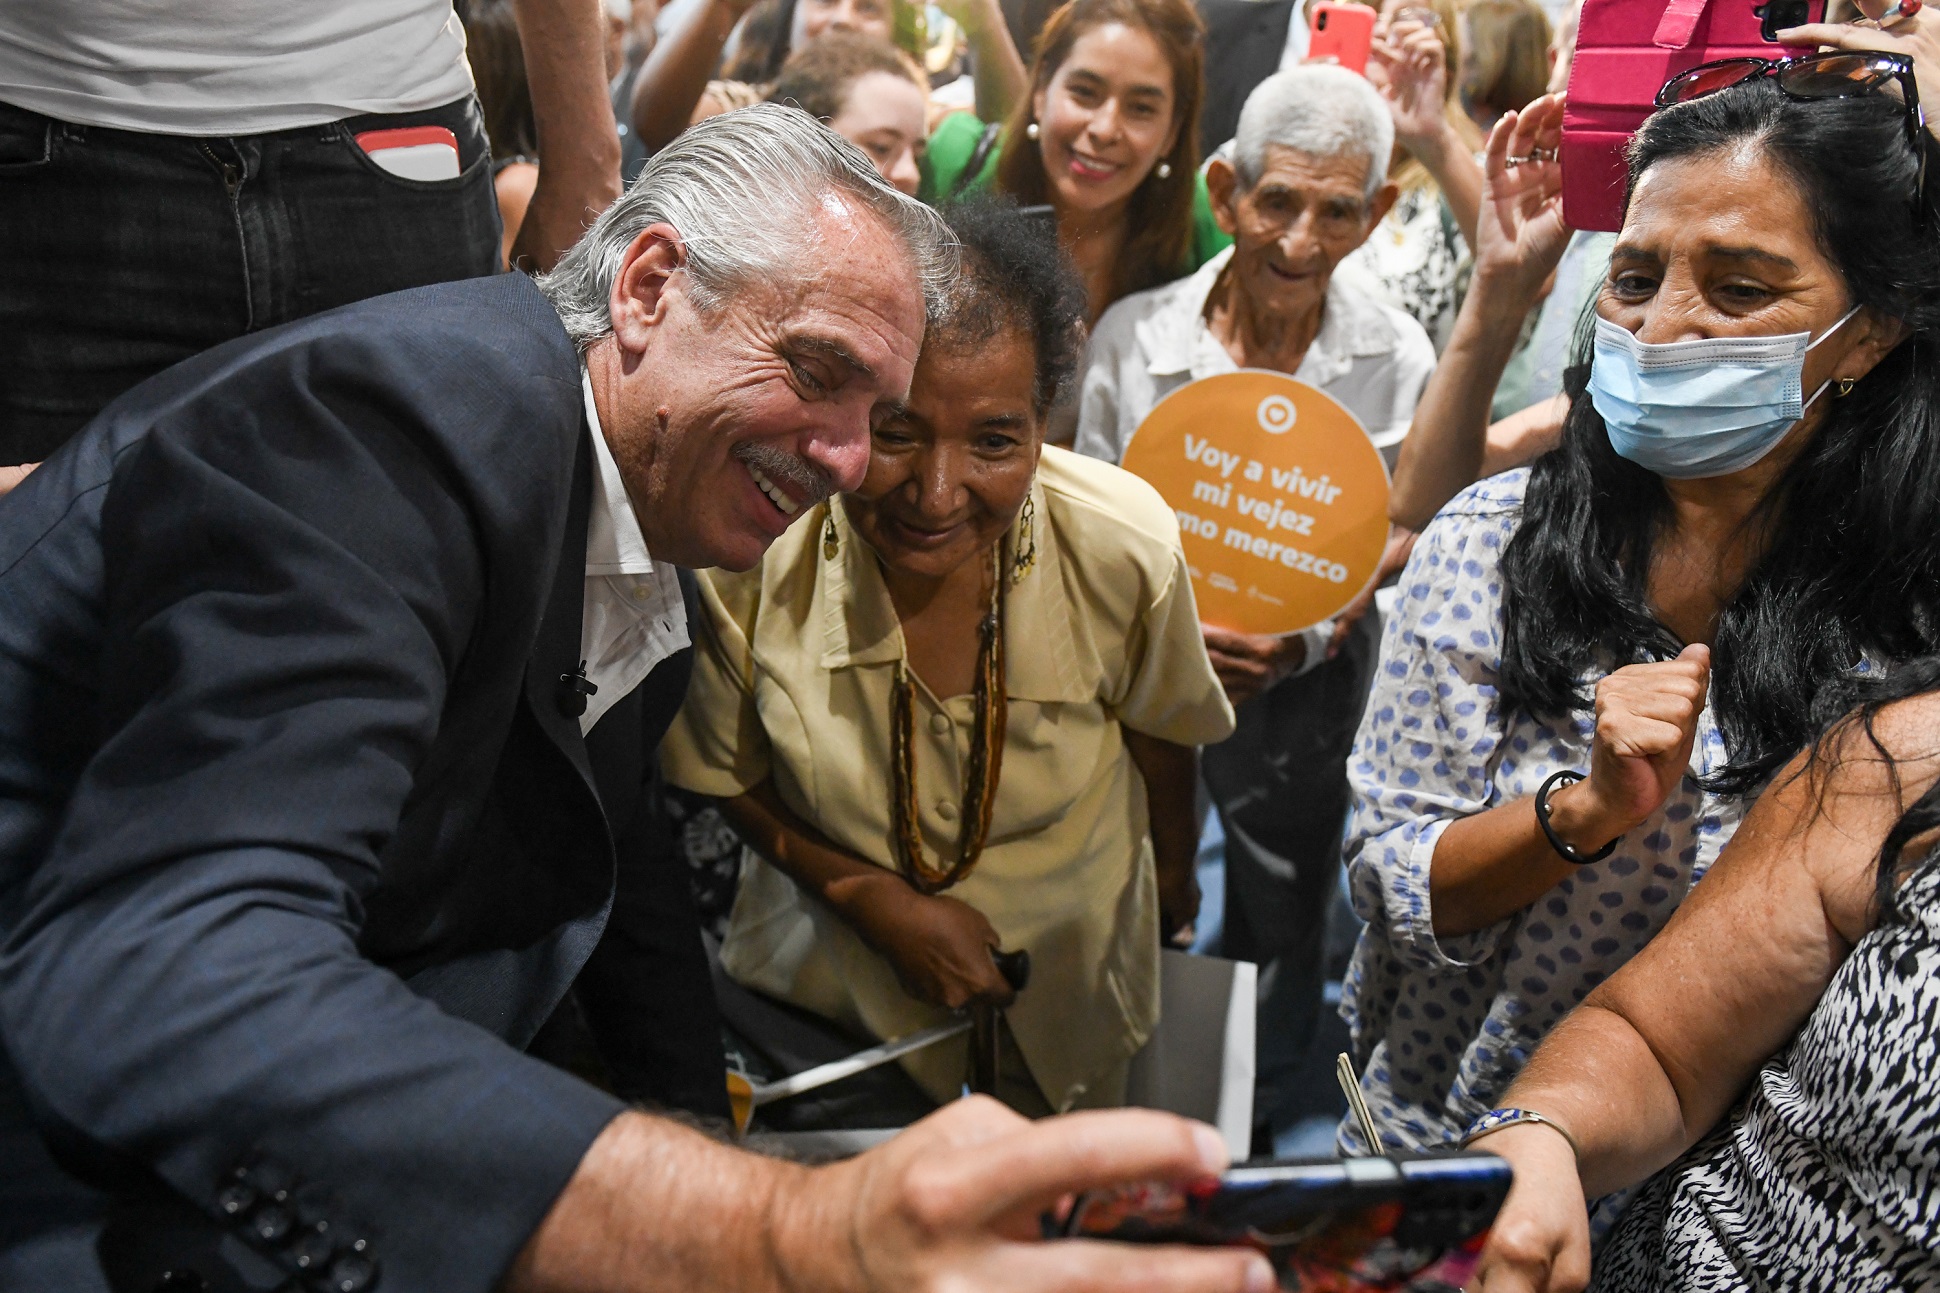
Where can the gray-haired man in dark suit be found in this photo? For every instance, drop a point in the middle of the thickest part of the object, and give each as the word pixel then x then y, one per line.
pixel 303 649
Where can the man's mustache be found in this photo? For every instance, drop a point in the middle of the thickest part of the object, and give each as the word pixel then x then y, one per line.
pixel 802 479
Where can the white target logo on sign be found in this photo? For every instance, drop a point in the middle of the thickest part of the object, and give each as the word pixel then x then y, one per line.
pixel 1277 414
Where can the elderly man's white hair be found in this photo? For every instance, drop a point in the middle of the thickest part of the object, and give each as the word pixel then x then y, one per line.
pixel 1317 109
pixel 745 191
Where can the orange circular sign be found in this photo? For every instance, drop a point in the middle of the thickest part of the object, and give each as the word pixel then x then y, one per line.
pixel 1282 499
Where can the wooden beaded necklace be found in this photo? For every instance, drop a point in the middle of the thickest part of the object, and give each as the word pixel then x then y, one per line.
pixel 986 760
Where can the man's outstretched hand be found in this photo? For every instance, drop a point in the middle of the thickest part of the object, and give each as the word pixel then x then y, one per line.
pixel 953 1203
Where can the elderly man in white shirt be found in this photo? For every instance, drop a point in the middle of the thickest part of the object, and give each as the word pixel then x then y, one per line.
pixel 1306 185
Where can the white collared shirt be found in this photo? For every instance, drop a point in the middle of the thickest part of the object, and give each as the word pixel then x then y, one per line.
pixel 633 616
pixel 1371 357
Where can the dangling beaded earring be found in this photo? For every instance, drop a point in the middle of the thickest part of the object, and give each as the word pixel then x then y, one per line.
pixel 1030 131
pixel 830 545
pixel 1024 558
pixel 1165 170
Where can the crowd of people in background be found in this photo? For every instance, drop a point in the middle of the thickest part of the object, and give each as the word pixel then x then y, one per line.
pixel 1625 762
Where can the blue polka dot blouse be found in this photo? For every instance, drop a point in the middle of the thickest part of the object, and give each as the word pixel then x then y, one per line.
pixel 1442 1025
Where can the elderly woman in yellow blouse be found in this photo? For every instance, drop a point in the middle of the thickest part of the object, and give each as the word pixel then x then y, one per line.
pixel 958 712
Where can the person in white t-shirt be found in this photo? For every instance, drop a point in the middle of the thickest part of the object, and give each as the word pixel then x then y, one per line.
pixel 173 175
pixel 1306 184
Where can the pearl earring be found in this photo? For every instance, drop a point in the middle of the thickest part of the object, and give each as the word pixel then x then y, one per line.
pixel 1165 170
pixel 1030 131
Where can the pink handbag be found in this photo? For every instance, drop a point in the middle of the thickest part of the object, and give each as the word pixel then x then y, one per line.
pixel 1625 51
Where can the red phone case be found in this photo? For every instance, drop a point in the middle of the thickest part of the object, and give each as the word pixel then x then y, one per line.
pixel 1625 51
pixel 375 141
pixel 1344 32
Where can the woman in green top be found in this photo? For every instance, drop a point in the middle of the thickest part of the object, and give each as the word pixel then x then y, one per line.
pixel 1108 139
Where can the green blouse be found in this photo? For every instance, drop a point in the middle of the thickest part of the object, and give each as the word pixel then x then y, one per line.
pixel 956 139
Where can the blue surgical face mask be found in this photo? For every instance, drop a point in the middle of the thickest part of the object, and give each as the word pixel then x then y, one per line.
pixel 1686 409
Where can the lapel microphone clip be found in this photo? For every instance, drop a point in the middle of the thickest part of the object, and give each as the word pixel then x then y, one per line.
pixel 574 688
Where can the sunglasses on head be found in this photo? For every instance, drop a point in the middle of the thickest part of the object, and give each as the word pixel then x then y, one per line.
pixel 1833 75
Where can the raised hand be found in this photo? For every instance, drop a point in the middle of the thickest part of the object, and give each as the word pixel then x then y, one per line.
pixel 1408 64
pixel 1521 235
pixel 1646 723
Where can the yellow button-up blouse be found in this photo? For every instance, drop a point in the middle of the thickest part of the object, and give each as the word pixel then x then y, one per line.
pixel 792 680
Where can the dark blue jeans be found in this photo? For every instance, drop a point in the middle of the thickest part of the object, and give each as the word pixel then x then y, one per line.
pixel 122 253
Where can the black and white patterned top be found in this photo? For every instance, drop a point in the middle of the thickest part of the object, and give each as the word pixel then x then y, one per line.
pixel 1415 260
pixel 1823 1177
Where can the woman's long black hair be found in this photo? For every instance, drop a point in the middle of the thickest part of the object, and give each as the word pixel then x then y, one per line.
pixel 1850 571
pixel 1922 817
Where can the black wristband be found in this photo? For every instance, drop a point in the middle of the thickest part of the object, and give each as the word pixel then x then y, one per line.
pixel 1565 850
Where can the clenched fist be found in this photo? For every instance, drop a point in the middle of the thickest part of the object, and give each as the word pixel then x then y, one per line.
pixel 1646 722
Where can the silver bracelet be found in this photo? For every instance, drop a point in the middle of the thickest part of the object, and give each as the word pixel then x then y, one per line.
pixel 1497 1119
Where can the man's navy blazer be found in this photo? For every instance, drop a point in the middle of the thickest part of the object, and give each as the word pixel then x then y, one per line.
pixel 298 844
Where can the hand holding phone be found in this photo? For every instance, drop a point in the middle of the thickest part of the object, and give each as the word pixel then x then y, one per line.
pixel 1342 32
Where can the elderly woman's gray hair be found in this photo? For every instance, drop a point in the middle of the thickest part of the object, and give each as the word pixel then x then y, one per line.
pixel 1317 109
pixel 744 191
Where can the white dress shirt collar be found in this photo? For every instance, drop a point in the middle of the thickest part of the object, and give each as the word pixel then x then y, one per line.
pixel 614 544
pixel 632 616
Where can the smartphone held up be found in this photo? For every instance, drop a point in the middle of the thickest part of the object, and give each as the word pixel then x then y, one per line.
pixel 1342 32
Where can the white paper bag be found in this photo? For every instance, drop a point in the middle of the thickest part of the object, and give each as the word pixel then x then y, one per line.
pixel 1199 1061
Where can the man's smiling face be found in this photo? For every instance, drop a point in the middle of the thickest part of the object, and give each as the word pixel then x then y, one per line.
pixel 727 427
pixel 1299 221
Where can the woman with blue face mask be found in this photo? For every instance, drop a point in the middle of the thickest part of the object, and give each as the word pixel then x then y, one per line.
pixel 1598 662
